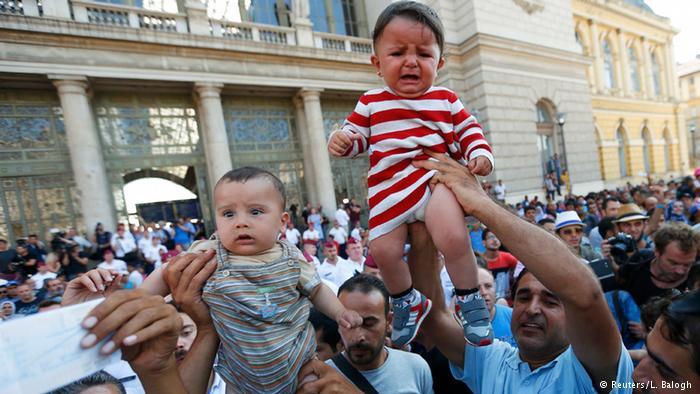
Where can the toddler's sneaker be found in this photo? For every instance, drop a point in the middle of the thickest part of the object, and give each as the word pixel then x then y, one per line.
pixel 475 318
pixel 409 312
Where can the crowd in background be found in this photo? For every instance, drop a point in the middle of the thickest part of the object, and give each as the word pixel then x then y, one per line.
pixel 625 235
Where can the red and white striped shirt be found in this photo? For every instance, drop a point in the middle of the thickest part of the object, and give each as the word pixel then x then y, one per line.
pixel 395 131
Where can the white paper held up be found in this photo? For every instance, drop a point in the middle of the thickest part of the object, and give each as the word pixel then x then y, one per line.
pixel 42 352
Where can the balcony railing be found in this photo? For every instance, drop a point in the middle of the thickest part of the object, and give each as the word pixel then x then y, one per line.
pixel 336 42
pixel 118 15
pixel 194 21
pixel 246 31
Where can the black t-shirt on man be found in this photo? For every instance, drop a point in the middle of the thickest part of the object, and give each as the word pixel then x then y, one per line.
pixel 635 278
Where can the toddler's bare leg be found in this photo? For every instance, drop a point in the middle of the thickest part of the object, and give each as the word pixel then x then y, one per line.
pixel 444 219
pixel 387 251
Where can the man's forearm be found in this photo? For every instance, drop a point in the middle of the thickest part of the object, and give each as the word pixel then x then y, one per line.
pixel 196 368
pixel 543 254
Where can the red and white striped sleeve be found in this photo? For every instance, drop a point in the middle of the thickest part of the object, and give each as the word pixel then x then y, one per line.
pixel 468 132
pixel 358 123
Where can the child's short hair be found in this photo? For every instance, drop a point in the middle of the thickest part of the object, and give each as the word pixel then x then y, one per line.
pixel 244 174
pixel 414 11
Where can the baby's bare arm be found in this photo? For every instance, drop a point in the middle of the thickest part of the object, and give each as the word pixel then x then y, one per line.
pixel 155 284
pixel 328 303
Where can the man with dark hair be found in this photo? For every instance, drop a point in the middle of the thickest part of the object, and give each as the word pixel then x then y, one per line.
pixel 672 363
pixel 675 252
pixel 387 370
pixel 547 224
pixel 500 263
pixel 99 382
pixel 327 337
pixel 36 246
pixel 7 256
pixel 611 205
pixel 530 213
pixel 567 338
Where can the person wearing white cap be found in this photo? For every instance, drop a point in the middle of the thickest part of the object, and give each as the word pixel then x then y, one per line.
pixel 569 228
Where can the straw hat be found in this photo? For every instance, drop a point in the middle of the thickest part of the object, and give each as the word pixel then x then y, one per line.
pixel 630 212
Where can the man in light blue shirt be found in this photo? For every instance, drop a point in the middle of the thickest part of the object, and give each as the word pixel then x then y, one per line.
pixel 500 314
pixel 568 340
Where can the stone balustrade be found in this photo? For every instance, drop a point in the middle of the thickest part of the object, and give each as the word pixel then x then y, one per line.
pixel 253 32
pixel 337 42
pixel 193 21
pixel 134 17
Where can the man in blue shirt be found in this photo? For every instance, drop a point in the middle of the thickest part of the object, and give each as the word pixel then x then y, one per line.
pixel 568 340
pixel 500 314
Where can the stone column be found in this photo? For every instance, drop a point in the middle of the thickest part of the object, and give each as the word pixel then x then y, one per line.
pixel 682 139
pixel 318 150
pixel 671 75
pixel 309 173
pixel 213 130
pixel 618 72
pixel 597 57
pixel 626 81
pixel 85 150
pixel 647 78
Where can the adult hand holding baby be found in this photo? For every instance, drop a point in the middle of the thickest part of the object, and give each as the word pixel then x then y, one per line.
pixel 341 141
pixel 186 275
pixel 455 176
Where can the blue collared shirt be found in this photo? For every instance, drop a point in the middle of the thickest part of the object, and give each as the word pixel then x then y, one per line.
pixel 499 369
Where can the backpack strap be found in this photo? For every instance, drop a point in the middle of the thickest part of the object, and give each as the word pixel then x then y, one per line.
pixel 353 374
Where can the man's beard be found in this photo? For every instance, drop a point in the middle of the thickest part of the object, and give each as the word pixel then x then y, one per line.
pixel 372 353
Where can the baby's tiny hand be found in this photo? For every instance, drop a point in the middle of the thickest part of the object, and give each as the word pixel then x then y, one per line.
pixel 349 319
pixel 480 166
pixel 341 141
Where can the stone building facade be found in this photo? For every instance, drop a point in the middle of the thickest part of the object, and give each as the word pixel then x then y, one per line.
pixel 639 121
pixel 689 76
pixel 95 94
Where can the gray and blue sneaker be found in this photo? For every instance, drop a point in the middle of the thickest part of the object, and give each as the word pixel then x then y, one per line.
pixel 472 313
pixel 409 312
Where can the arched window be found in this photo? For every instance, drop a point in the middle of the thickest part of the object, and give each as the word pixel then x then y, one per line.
pixel 543 115
pixel 621 154
pixel 646 137
pixel 656 74
pixel 608 67
pixel 634 69
pixel 545 135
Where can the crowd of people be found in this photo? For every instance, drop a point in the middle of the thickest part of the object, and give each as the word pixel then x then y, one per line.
pixel 639 232
pixel 46 267
pixel 592 293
